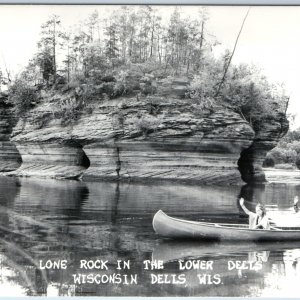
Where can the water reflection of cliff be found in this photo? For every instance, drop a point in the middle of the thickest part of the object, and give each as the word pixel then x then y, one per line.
pixel 44 219
pixel 34 215
pixel 49 219
pixel 279 195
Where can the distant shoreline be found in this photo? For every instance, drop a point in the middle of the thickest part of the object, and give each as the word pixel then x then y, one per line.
pixel 282 176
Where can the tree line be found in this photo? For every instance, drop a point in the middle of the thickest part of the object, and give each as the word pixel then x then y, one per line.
pixel 128 35
pixel 107 53
pixel 287 153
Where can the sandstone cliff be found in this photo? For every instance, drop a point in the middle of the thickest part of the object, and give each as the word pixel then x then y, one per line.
pixel 154 137
pixel 10 158
pixel 137 138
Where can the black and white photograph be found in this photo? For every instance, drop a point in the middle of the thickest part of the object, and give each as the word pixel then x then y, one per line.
pixel 149 150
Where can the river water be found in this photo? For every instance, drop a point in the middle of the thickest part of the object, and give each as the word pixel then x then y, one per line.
pixel 44 221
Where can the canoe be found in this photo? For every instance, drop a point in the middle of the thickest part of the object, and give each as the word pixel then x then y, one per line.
pixel 169 227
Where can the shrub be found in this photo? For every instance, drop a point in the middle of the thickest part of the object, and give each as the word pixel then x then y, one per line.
pixel 118 89
pixel 290 156
pixel 77 80
pixel 283 155
pixel 23 96
pixel 68 110
pixel 68 116
pixel 269 161
pixel 148 124
pixel 278 155
pixel 60 80
pixel 147 89
pixel 202 87
pixel 107 88
pixel 108 78
pixel 295 145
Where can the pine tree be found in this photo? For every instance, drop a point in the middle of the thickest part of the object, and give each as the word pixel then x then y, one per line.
pixel 69 57
pixel 111 47
pixel 50 34
pixel 93 26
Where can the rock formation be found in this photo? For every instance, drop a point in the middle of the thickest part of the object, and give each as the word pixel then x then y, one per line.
pixel 139 138
pixel 266 138
pixel 155 137
pixel 180 141
pixel 10 158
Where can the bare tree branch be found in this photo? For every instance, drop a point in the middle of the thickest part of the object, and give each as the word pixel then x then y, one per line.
pixel 231 56
pixel 287 105
pixel 6 69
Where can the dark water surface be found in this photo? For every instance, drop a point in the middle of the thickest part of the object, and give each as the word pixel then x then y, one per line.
pixel 55 220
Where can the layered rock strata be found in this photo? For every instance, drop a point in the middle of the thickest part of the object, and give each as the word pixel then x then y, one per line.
pixel 10 158
pixel 159 136
pixel 144 161
pixel 51 160
pixel 138 138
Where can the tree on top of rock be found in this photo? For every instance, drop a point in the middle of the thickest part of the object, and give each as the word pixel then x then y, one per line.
pixel 50 34
pixel 93 26
pixel 111 47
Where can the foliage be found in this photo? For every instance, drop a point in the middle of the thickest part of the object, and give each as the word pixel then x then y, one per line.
pixel 269 161
pixel 295 145
pixel 5 80
pixel 203 85
pixel 46 64
pixel 283 155
pixel 95 65
pixel 23 96
pixel 111 49
pixel 68 110
pixel 131 50
pixel 128 36
pixel 148 124
pixel 246 91
pixel 287 151
pixel 69 115
pixel 47 55
pixel 292 135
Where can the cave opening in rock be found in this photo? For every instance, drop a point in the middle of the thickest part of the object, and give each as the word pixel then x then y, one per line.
pixel 85 162
pixel 250 164
pixel 245 165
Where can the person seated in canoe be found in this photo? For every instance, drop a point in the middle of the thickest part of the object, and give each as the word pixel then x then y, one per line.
pixel 259 219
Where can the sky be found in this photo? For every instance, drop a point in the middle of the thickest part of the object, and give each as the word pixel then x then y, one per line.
pixel 270 38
